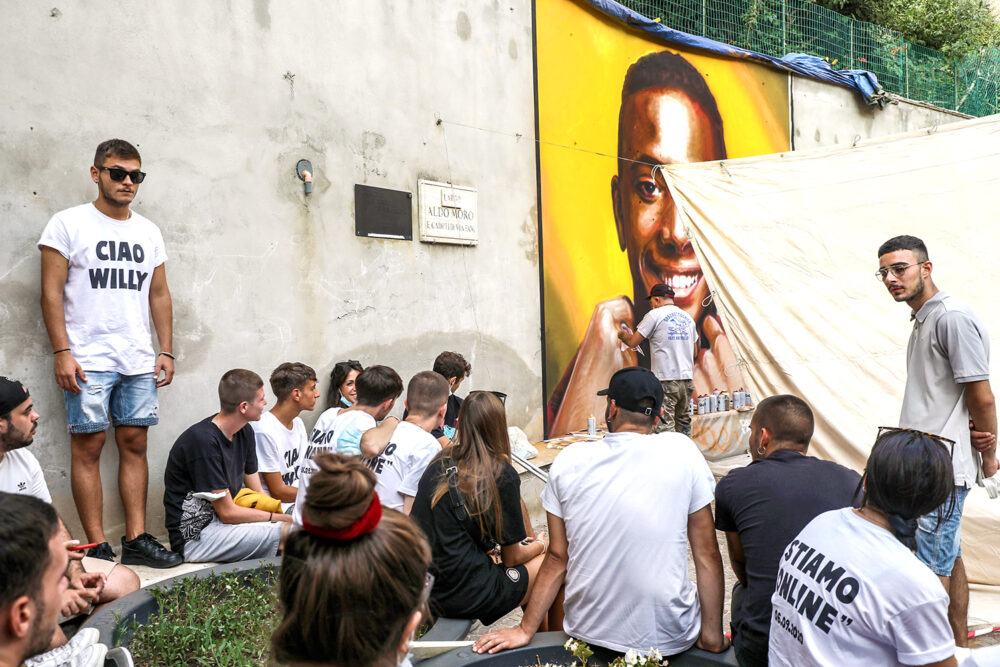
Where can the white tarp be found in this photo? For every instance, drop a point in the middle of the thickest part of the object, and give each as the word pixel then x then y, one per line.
pixel 789 243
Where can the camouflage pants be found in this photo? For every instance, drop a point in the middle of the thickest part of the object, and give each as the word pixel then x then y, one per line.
pixel 676 401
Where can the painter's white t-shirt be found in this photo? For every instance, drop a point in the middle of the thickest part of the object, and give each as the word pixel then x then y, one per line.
pixel 335 431
pixel 106 296
pixel 848 593
pixel 20 473
pixel 672 335
pixel 625 501
pixel 279 450
pixel 402 462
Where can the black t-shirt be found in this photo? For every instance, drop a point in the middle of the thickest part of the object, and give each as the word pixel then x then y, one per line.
pixel 768 503
pixel 466 579
pixel 203 459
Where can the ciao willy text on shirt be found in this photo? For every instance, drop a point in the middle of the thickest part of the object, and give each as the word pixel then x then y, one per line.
pixel 118 278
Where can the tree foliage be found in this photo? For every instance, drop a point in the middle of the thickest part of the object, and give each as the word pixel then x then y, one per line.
pixel 954 27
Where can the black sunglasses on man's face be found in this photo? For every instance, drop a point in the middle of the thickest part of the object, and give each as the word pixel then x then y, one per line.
pixel 118 174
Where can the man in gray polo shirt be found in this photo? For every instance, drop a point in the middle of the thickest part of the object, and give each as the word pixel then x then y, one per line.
pixel 673 345
pixel 947 394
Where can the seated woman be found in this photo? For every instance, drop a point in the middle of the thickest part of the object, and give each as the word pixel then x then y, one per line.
pixel 467 512
pixel 354 579
pixel 849 589
pixel 342 393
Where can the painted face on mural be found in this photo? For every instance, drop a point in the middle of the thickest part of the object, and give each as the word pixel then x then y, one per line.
pixel 659 126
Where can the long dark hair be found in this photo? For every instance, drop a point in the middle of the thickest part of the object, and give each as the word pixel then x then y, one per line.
pixel 908 475
pixel 348 602
pixel 480 451
pixel 338 376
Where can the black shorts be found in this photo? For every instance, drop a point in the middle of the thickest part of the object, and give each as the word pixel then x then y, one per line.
pixel 507 587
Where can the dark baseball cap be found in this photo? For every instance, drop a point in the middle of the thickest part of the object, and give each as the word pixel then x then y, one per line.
pixel 631 385
pixel 12 394
pixel 661 290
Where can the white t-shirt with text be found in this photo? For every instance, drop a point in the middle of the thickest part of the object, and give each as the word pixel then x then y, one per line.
pixel 402 462
pixel 21 474
pixel 279 450
pixel 625 501
pixel 106 296
pixel 672 335
pixel 336 430
pixel 848 593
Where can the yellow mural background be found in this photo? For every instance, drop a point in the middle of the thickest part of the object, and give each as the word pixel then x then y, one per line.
pixel 582 57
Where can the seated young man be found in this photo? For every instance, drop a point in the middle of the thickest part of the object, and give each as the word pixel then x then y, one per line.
pixel 411 446
pixel 281 435
pixel 208 465
pixel 763 506
pixel 619 510
pixel 92 581
pixel 353 430
pixel 33 561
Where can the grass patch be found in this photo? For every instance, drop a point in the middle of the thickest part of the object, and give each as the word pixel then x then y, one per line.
pixel 222 620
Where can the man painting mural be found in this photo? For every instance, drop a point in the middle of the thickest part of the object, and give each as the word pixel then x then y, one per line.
pixel 668 115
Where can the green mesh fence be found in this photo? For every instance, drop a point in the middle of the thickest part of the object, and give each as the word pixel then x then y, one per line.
pixel 777 27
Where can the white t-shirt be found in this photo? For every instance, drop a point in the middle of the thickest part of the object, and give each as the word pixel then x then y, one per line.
pixel 848 593
pixel 20 473
pixel 625 501
pixel 672 335
pixel 402 462
pixel 335 431
pixel 106 297
pixel 279 450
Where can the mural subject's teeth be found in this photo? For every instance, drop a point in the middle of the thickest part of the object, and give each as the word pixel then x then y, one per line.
pixel 681 281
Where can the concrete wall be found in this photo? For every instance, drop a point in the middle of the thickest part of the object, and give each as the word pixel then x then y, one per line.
pixel 222 99
pixel 825 115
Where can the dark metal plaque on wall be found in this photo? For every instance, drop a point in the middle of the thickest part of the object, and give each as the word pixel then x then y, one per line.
pixel 383 213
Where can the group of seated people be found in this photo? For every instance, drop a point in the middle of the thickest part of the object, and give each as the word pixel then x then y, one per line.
pixel 384 517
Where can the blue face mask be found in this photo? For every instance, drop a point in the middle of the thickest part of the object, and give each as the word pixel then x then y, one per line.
pixel 347 403
pixel 449 432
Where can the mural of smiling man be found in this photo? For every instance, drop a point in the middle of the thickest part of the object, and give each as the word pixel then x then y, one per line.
pixel 668 115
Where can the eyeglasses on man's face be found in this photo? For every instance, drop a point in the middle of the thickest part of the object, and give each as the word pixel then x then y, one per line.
pixel 897 270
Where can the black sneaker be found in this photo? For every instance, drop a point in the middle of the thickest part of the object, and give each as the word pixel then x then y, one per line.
pixel 145 550
pixel 102 551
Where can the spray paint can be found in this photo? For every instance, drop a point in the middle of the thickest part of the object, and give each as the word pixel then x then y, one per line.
pixel 738 399
pixel 692 408
pixel 747 402
pixel 591 425
pixel 713 401
pixel 724 399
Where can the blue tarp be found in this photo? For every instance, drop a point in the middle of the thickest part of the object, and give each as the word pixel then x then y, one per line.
pixel 813 67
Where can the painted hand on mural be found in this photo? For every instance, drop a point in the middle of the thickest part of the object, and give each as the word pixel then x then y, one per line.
pixel 600 355
pixel 598 358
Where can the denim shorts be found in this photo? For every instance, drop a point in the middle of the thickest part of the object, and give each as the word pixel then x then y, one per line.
pixel 112 399
pixel 939 545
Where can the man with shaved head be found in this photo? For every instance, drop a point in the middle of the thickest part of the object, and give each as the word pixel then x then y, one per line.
pixel 763 506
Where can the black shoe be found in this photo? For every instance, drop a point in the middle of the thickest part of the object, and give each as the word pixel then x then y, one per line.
pixel 145 550
pixel 102 551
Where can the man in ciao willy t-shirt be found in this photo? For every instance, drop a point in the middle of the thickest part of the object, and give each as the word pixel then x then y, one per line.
pixel 103 277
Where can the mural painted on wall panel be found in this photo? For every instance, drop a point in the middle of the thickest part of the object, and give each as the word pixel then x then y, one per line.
pixel 613 104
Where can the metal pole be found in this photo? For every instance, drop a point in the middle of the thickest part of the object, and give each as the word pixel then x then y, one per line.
pixel 704 28
pixel 784 29
pixel 533 469
pixel 851 37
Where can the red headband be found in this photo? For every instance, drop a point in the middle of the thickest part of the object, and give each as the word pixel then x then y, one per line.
pixel 365 524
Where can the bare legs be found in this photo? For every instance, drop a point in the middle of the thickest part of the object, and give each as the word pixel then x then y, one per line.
pixel 133 479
